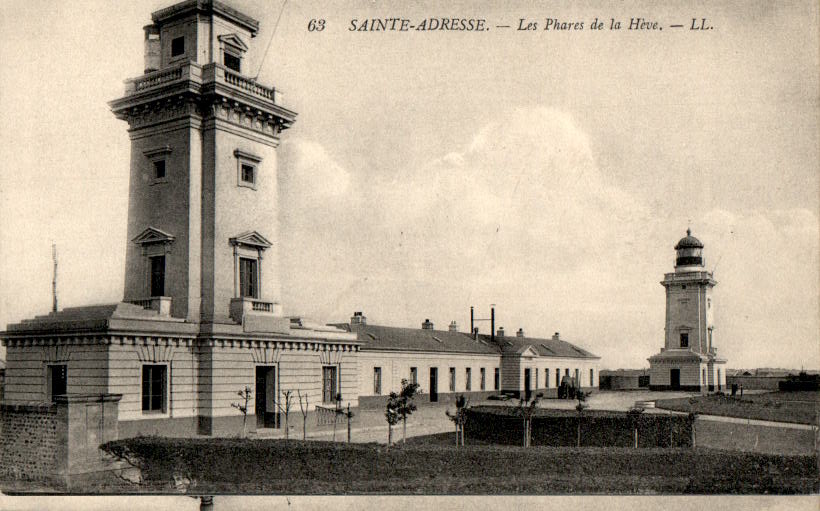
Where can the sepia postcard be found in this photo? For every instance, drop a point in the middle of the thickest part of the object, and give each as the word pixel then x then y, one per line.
pixel 377 254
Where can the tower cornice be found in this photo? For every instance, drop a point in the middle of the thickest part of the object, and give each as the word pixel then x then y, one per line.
pixel 694 277
pixel 212 89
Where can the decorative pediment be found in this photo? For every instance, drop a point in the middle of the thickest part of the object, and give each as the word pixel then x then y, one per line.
pixel 233 40
pixel 529 351
pixel 153 235
pixel 251 239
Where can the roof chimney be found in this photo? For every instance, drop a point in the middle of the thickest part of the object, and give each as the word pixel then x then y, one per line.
pixel 453 326
pixel 520 332
pixel 556 337
pixel 475 333
pixel 358 319
pixel 427 325
pixel 500 332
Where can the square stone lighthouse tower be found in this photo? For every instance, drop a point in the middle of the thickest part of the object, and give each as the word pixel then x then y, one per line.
pixel 688 360
pixel 202 212
pixel 200 318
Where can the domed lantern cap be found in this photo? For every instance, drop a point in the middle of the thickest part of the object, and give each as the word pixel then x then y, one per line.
pixel 689 241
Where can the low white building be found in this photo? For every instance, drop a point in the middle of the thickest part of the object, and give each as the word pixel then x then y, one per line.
pixel 446 363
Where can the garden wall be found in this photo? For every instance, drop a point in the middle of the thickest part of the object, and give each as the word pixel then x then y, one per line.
pixel 30 440
pixel 503 425
pixel 55 442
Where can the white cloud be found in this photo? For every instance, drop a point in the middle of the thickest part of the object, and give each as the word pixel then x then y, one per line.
pixel 523 217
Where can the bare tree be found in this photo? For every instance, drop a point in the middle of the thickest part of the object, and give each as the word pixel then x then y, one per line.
pixel 581 396
pixel 304 410
pixel 459 418
pixel 634 414
pixel 285 408
pixel 245 394
pixel 527 411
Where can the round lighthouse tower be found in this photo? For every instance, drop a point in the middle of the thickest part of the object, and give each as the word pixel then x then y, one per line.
pixel 688 360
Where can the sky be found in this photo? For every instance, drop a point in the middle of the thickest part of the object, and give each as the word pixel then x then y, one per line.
pixel 547 172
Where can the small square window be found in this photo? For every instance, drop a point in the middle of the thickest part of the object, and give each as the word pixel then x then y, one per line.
pixel 159 169
pixel 232 62
pixel 177 46
pixel 248 173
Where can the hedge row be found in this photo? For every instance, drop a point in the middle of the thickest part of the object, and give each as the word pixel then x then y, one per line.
pixel 228 465
pixel 505 425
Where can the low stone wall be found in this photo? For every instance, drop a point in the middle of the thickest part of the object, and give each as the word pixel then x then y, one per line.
pixel 32 440
pixel 755 382
pixel 55 442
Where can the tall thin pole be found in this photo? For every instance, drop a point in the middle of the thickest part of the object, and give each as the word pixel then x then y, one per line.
pixel 492 323
pixel 54 279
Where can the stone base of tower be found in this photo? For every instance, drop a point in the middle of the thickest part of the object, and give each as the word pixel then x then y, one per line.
pixel 686 370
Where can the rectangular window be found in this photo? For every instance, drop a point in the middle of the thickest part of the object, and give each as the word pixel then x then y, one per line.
pixel 232 61
pixel 497 379
pixel 248 278
pixel 592 377
pixel 330 384
pixel 414 375
pixel 57 381
pixel 159 169
pixel 684 340
pixel 154 382
pixel 452 379
pixel 536 378
pixel 248 173
pixel 546 378
pixel 483 378
pixel 177 46
pixel 468 375
pixel 557 376
pixel 577 377
pixel 377 381
pixel 158 275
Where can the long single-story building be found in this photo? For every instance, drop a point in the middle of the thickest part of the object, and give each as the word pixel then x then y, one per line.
pixel 446 363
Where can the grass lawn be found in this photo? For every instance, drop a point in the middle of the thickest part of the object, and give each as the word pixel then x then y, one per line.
pixel 796 407
pixel 419 467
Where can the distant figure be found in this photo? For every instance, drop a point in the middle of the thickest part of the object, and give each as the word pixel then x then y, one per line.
pixel 741 390
pixel 734 389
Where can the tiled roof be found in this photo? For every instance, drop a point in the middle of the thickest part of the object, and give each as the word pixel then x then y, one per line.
pixel 377 337
pixel 416 339
pixel 545 347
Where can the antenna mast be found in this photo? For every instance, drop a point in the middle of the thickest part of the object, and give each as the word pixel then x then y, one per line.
pixel 54 280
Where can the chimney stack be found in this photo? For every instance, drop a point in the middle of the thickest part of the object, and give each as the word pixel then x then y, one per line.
pixel 475 333
pixel 453 326
pixel 427 325
pixel 152 48
pixel 500 333
pixel 358 319
pixel 520 332
pixel 556 337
